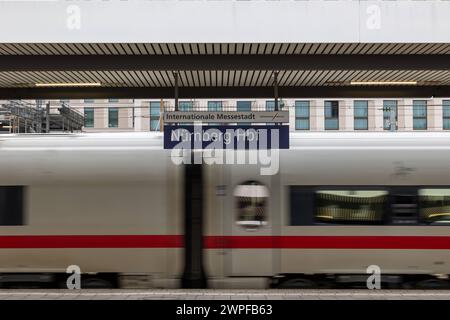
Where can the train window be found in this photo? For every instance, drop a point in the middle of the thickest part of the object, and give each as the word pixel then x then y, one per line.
pixel 434 206
pixel 11 205
pixel 350 206
pixel 251 199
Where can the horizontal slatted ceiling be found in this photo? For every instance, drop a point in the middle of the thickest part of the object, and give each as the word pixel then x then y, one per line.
pixel 223 77
pixel 220 48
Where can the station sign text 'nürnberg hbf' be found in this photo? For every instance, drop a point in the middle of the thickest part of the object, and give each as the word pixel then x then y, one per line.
pixel 226 130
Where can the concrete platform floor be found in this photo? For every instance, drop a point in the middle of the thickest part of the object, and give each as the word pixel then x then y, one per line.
pixel 222 294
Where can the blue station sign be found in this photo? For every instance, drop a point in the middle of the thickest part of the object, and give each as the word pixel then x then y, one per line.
pixel 235 137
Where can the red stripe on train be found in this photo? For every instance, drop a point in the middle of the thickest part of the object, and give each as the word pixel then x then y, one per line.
pixel 92 241
pixel 230 242
pixel 328 242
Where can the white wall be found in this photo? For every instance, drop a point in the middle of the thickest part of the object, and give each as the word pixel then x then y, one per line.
pixel 224 21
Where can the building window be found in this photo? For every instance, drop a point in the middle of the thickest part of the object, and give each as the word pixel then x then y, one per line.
pixel 185 105
pixel 361 115
pixel 420 115
pixel 388 107
pixel 270 105
pixel 214 105
pixel 11 205
pixel 113 100
pixel 301 115
pixel 331 115
pixel 446 114
pixel 155 112
pixel 244 106
pixel 89 117
pixel 89 100
pixel 113 117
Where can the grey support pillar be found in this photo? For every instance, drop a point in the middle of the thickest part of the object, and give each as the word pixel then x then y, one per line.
pixel 175 75
pixel 275 88
pixel 194 274
pixel 47 118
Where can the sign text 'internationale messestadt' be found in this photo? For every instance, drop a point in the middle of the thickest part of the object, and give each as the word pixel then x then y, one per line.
pixel 226 116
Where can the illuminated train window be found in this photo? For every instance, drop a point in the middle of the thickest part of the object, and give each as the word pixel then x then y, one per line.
pixel 251 198
pixel 435 205
pixel 350 206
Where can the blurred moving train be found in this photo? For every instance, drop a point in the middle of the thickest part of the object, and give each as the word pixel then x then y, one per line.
pixel 119 208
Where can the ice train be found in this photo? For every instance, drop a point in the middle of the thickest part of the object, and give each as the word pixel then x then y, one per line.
pixel 118 207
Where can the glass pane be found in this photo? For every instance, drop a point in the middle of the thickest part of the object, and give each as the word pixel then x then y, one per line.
pixel 113 117
pixel 214 105
pixel 251 203
pixel 350 206
pixel 154 125
pixel 392 105
pixel 435 205
pixel 361 109
pixel 185 105
pixel 446 108
pixel 331 109
pixel 270 105
pixel 446 124
pixel 420 124
pixel 155 107
pixel 302 124
pixel 244 106
pixel 361 124
pixel 331 124
pixel 88 118
pixel 419 108
pixel 302 109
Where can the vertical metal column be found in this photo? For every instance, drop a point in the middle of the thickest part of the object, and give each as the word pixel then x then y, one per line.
pixel 175 74
pixel 47 117
pixel 275 88
pixel 194 273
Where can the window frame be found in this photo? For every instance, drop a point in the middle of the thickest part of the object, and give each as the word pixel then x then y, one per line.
pixel 110 110
pixel 365 118
pixel 300 117
pixel 332 102
pixel 154 117
pixel 85 111
pixel 419 207
pixel 388 117
pixel 420 117
pixel 445 104
pixel 308 216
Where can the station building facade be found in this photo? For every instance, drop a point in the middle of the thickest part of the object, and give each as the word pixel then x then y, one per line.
pixel 305 114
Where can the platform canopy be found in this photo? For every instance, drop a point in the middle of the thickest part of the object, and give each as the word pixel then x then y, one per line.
pixel 224 49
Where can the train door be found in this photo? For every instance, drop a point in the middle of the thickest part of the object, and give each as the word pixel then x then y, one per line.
pixel 250 220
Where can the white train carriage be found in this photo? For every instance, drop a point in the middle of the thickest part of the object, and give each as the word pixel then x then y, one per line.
pixel 116 206
pixel 109 204
pixel 341 203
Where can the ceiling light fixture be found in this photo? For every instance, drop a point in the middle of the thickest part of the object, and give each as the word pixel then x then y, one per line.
pixel 69 84
pixel 385 83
